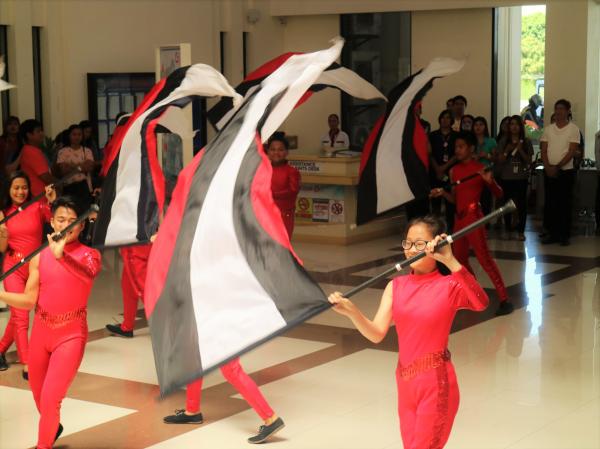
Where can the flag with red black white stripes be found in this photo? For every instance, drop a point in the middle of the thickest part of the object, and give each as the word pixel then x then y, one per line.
pixel 133 191
pixel 395 161
pixel 334 76
pixel 222 275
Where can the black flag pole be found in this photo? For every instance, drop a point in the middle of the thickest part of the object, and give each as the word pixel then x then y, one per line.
pixel 507 208
pixel 39 196
pixel 56 238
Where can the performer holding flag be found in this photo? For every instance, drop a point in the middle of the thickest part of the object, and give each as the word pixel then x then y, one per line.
pixel 18 237
pixel 59 332
pixel 422 306
pixel 466 197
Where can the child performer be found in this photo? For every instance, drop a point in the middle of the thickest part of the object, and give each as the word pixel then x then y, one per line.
pixel 59 284
pixel 466 197
pixel 18 237
pixel 135 264
pixel 285 182
pixel 422 306
pixel 235 375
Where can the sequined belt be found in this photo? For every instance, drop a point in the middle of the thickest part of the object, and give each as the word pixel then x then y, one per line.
pixel 15 255
pixel 423 363
pixel 54 321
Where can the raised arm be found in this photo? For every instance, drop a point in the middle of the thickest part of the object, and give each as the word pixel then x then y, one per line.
pixel 28 298
pixel 374 330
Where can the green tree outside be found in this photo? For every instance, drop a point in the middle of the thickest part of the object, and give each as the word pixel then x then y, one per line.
pixel 533 41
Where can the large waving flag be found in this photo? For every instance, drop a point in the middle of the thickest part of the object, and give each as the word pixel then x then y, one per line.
pixel 134 188
pixel 394 165
pixel 334 76
pixel 3 84
pixel 222 276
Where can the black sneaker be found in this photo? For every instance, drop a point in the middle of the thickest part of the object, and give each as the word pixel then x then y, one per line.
pixel 505 308
pixel 181 418
pixel 25 375
pixel 59 431
pixel 3 364
pixel 116 330
pixel 266 432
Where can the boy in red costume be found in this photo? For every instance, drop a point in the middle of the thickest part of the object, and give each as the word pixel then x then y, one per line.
pixel 59 331
pixel 285 182
pixel 466 198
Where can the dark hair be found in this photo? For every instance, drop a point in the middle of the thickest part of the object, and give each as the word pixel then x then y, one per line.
pixel 60 137
pixel 563 102
pixel 85 124
pixel 450 100
pixel 5 199
pixel 8 121
pixel 333 115
pixel 460 97
pixel 28 127
pixel 279 136
pixel 519 120
pixel 437 226
pixel 482 119
pixel 444 112
pixel 67 202
pixel 67 134
pixel 468 137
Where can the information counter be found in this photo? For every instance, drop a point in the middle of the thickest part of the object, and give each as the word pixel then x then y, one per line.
pixel 326 204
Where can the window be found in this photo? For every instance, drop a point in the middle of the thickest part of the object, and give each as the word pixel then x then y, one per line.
pixel 4 96
pixel 37 72
pixel 378 49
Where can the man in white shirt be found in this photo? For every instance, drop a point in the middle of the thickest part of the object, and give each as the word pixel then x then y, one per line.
pixel 558 144
pixel 335 138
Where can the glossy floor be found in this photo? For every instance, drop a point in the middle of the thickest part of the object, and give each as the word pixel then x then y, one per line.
pixel 529 380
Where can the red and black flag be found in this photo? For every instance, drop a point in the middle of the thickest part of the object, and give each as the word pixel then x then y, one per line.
pixel 334 76
pixel 133 191
pixel 222 275
pixel 395 161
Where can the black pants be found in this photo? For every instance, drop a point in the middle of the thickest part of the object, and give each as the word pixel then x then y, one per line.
pixel 486 201
pixel 436 208
pixel 558 204
pixel 516 190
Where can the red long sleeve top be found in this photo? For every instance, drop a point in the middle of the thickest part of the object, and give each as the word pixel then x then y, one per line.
pixel 66 283
pixel 285 185
pixel 468 193
pixel 25 231
pixel 424 307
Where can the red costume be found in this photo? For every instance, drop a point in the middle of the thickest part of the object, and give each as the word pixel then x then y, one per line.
pixel 24 236
pixel 135 264
pixel 59 330
pixel 34 164
pixel 468 210
pixel 235 375
pixel 423 310
pixel 285 185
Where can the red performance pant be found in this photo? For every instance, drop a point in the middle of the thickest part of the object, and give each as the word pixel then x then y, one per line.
pixel 477 240
pixel 54 357
pixel 18 323
pixel 288 220
pixel 235 375
pixel 135 263
pixel 427 405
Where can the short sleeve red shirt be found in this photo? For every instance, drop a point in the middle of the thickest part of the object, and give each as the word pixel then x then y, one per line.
pixel 34 164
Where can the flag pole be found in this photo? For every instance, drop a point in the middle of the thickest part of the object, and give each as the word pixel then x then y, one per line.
pixel 39 196
pixel 507 208
pixel 56 237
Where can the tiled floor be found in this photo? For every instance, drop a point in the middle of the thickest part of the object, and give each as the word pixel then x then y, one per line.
pixel 530 380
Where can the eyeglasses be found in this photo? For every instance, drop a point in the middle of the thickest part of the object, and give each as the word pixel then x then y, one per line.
pixel 419 245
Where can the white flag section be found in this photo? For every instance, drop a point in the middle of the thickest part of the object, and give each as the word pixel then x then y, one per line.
pixel 390 167
pixel 3 84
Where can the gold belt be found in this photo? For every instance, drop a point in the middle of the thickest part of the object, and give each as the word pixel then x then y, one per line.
pixel 54 321
pixel 423 363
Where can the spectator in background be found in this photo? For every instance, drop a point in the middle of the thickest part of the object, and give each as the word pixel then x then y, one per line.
pixel 466 123
pixel 450 104
pixel 442 159
pixel 10 146
pixel 33 160
pixel 90 142
pixel 335 137
pixel 424 123
pixel 485 153
pixel 459 105
pixel 514 159
pixel 558 145
pixel 503 131
pixel 74 158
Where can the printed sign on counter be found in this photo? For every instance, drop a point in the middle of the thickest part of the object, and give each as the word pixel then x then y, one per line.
pixel 320 204
pixel 310 167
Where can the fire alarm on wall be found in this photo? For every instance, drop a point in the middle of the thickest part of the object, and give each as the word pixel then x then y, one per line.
pixel 253 16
